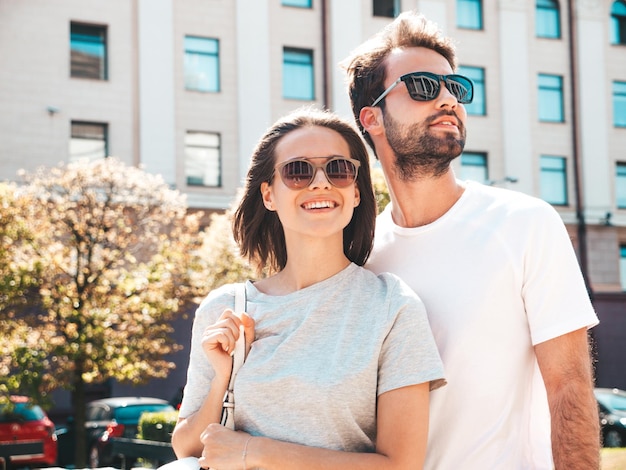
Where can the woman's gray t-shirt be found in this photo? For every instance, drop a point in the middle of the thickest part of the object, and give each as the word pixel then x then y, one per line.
pixel 320 358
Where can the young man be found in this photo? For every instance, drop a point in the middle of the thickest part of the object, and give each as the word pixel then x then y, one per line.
pixel 496 269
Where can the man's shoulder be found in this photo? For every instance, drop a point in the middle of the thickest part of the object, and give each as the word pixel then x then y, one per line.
pixel 510 200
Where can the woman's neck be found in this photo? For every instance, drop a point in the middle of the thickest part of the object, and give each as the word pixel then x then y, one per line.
pixel 306 266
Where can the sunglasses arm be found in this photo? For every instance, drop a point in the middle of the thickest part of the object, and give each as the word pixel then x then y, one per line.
pixel 386 92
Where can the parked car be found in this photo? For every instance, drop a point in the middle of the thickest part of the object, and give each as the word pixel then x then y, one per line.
pixel 23 421
pixel 612 409
pixel 105 419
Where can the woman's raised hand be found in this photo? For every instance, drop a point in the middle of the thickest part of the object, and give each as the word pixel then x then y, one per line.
pixel 218 340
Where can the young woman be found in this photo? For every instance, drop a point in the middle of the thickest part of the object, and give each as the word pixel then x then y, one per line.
pixel 341 361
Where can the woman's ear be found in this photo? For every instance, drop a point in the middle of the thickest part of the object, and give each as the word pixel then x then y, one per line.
pixel 371 120
pixel 266 194
pixel 357 196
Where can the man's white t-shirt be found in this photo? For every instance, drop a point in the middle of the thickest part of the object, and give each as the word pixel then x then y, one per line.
pixel 498 275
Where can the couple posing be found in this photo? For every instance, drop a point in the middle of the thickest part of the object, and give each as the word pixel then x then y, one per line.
pixel 342 359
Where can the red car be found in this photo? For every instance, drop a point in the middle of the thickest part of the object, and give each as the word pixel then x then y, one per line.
pixel 25 423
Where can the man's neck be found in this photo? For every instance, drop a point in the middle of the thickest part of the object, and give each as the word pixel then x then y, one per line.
pixel 423 200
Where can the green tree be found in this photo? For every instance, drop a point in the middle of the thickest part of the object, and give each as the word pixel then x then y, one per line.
pixel 117 249
pixel 380 188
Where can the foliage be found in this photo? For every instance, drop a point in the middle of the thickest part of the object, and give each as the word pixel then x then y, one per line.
pixel 380 188
pixel 157 426
pixel 113 248
pixel 218 256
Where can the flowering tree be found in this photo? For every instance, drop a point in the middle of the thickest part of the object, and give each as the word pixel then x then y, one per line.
pixel 114 251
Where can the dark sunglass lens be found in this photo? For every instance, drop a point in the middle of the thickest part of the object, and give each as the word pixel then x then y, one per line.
pixel 297 174
pixel 422 87
pixel 341 172
pixel 461 88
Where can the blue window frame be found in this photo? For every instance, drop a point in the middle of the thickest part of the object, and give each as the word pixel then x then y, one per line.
pixel 619 104
pixel 474 166
pixel 550 102
pixel 478 106
pixel 202 159
pixel 202 66
pixel 553 180
pixel 469 14
pixel 547 19
pixel 618 22
pixel 298 79
pixel 88 51
pixel 620 185
pixel 386 8
pixel 297 3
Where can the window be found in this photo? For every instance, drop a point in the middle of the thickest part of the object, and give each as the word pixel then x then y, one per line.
pixel 618 22
pixel 550 98
pixel 477 75
pixel 88 140
pixel 469 14
pixel 553 180
pixel 547 19
pixel 202 68
pixel 474 166
pixel 297 3
pixel 619 104
pixel 622 266
pixel 88 51
pixel 620 185
pixel 387 8
pixel 202 159
pixel 298 83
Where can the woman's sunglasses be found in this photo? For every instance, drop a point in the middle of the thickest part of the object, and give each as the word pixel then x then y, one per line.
pixel 425 86
pixel 298 173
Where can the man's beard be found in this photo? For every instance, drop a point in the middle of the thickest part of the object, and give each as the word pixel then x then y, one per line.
pixel 418 151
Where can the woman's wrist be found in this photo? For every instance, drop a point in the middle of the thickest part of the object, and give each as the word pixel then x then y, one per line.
pixel 220 382
pixel 252 453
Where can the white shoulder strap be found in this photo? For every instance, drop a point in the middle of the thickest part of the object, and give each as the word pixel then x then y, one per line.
pixel 228 417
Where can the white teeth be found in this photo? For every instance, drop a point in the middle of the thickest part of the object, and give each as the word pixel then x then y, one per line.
pixel 318 205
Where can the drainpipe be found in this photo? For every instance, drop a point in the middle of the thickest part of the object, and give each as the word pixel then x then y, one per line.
pixel 580 211
pixel 325 77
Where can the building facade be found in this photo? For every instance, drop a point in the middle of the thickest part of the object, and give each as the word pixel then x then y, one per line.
pixel 185 88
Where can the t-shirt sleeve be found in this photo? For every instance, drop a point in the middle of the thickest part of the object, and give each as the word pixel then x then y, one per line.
pixel 409 355
pixel 554 291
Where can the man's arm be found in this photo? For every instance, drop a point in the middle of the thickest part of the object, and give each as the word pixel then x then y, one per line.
pixel 565 365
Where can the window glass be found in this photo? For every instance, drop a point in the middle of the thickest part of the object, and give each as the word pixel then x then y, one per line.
pixel 298 83
pixel 88 140
pixel 88 51
pixel 553 180
pixel 477 75
pixel 387 8
pixel 619 104
pixel 469 14
pixel 620 185
pixel 297 3
pixel 547 19
pixel 618 22
pixel 202 159
pixel 474 166
pixel 202 64
pixel 550 98
pixel 622 273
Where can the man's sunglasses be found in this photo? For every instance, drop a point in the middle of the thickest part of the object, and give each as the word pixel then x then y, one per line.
pixel 298 173
pixel 425 86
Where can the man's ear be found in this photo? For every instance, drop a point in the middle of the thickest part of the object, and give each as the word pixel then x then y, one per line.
pixel 371 120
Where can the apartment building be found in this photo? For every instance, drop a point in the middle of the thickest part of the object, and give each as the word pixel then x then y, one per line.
pixel 186 87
